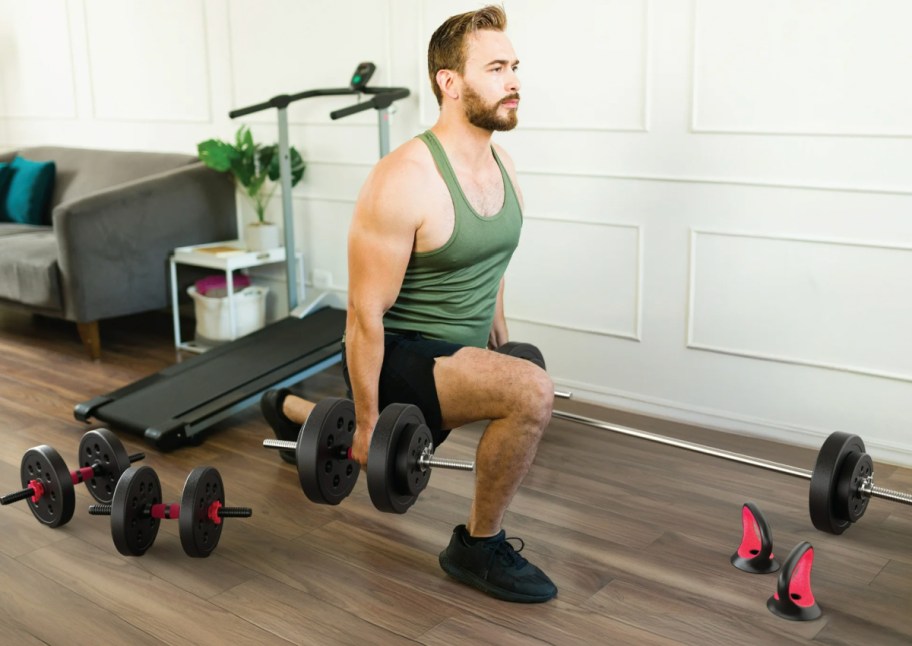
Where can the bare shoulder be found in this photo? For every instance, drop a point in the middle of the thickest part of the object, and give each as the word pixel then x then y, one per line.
pixel 398 184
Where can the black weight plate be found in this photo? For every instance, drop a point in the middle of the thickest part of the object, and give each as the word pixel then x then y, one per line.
pixel 850 502
pixel 823 499
pixel 132 526
pixel 382 462
pixel 327 475
pixel 103 447
pixel 525 351
pixel 44 465
pixel 198 534
pixel 410 477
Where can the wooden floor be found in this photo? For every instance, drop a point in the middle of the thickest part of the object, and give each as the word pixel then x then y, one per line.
pixel 637 536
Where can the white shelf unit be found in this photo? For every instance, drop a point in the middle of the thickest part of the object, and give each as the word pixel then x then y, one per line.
pixel 227 256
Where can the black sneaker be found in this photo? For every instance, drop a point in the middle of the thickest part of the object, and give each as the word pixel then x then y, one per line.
pixel 496 568
pixel 284 428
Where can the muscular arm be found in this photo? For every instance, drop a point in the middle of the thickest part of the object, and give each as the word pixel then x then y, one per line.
pixel 380 242
pixel 499 334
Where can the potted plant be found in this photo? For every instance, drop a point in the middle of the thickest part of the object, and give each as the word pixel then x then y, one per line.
pixel 255 169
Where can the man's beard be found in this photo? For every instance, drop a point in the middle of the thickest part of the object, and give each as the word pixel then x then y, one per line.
pixel 483 115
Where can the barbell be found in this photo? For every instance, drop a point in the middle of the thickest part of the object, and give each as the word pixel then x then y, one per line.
pixel 842 482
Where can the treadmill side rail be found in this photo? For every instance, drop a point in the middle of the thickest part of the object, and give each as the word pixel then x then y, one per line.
pixel 85 410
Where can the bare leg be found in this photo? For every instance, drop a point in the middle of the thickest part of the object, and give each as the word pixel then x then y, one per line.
pixel 297 409
pixel 517 396
pixel 473 385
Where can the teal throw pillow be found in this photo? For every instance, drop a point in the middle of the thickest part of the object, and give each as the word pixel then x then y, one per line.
pixel 28 191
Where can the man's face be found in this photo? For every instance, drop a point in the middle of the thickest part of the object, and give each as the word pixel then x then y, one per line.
pixel 490 91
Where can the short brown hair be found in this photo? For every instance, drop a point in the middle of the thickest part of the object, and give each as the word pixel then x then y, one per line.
pixel 447 49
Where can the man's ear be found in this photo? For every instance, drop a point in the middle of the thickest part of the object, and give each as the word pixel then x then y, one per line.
pixel 447 82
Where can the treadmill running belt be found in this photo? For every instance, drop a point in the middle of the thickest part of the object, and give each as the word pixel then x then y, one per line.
pixel 180 401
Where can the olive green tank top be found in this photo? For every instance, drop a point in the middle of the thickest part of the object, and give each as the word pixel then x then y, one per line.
pixel 450 293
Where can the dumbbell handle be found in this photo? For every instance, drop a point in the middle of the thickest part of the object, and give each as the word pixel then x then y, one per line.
pixel 171 511
pixel 34 490
pixel 425 460
pixel 87 473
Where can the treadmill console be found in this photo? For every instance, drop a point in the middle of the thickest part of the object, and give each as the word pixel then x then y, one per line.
pixel 362 75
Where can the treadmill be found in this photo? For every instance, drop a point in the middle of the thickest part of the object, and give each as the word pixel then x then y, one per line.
pixel 173 407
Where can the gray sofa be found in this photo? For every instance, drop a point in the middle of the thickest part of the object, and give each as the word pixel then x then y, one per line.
pixel 114 218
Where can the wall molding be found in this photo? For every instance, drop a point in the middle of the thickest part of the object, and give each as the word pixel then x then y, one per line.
pixel 711 130
pixel 683 179
pixel 671 179
pixel 74 113
pixel 253 119
pixel 637 332
pixel 207 71
pixel 779 358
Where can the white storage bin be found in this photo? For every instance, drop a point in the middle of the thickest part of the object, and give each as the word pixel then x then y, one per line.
pixel 213 318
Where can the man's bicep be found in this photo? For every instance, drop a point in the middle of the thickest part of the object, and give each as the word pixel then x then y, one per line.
pixel 379 246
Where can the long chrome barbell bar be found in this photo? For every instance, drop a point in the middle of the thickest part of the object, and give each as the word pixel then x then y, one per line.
pixel 867 487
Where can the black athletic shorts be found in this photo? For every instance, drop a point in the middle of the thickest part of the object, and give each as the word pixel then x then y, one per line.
pixel 407 375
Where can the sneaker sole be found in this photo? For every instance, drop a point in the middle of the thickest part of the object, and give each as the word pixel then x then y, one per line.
pixel 478 583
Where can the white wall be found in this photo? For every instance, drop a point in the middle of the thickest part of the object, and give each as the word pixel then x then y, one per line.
pixel 719 192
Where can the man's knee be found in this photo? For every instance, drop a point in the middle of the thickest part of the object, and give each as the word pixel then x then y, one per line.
pixel 536 396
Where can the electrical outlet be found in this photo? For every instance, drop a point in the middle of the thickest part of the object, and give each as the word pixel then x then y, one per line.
pixel 322 279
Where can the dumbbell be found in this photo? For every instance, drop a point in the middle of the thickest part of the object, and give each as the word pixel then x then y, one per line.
pixel 137 509
pixel 50 487
pixel 399 458
pixel 523 351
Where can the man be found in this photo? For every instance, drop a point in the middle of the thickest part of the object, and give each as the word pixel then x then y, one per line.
pixel 434 228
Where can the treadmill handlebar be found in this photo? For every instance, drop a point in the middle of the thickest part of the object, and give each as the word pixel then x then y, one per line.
pixel 283 100
pixel 381 100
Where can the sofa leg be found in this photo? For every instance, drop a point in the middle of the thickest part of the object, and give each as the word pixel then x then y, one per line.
pixel 91 339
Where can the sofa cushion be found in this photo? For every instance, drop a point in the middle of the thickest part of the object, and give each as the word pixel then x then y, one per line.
pixel 26 192
pixel 83 171
pixel 28 266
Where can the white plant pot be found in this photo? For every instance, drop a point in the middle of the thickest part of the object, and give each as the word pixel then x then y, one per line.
pixel 262 236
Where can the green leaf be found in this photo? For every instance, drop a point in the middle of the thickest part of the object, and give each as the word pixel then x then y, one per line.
pixel 216 154
pixel 297 167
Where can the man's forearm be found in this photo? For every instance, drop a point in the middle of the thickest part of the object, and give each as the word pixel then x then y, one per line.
pixel 364 357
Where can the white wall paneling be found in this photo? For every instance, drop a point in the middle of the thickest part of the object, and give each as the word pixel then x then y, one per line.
pixel 314 44
pixel 822 67
pixel 36 69
pixel 149 62
pixel 577 275
pixel 841 305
